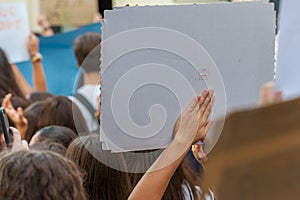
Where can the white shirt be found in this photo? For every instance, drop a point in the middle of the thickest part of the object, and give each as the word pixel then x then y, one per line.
pixel 189 196
pixel 91 93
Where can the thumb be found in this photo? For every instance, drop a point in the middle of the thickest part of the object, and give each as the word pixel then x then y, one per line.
pixel 17 141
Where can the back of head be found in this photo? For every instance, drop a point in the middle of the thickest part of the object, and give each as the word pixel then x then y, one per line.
pixel 39 175
pixel 102 181
pixel 60 111
pixel 19 102
pixel 58 134
pixel 49 146
pixel 83 46
pixel 38 96
pixel 32 114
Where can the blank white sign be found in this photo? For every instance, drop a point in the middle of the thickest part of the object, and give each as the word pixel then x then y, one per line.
pixel 156 58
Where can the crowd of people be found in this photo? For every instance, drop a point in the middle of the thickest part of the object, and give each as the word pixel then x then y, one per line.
pixel 56 151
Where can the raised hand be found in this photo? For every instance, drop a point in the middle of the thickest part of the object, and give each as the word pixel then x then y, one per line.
pixel 198 153
pixel 16 116
pixel 193 124
pixel 18 144
pixel 268 95
pixel 33 45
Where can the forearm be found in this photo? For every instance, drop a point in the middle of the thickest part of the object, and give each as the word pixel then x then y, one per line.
pixel 155 181
pixel 39 78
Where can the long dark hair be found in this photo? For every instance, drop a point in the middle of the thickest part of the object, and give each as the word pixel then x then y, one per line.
pixel 59 110
pixel 101 181
pixel 183 177
pixel 8 83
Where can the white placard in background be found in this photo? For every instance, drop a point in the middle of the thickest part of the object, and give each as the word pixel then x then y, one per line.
pixel 14 31
pixel 144 47
pixel 288 63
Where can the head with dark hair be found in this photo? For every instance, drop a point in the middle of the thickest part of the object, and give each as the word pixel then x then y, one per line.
pixel 101 181
pixel 32 114
pixel 58 134
pixel 8 82
pixel 59 110
pixel 38 96
pixel 49 146
pixel 17 102
pixel 88 43
pixel 39 175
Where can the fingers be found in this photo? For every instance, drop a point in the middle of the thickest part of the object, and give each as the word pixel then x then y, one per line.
pixel 267 92
pixel 194 119
pixel 268 95
pixel 208 109
pixel 33 41
pixel 25 144
pixel 7 101
pixel 204 112
pixel 207 106
pixel 16 137
pixel 32 36
pixel 278 96
pixel 203 131
pixel 21 113
pixel 198 153
pixel 18 144
pixel 207 127
pixel 202 100
pixel 203 96
pixel 193 104
pixel 33 45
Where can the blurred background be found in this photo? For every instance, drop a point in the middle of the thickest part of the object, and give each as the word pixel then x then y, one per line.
pixel 36 7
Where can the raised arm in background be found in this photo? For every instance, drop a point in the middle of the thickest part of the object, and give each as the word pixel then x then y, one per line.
pixel 38 75
pixel 46 26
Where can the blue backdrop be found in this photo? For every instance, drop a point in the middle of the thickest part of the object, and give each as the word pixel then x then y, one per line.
pixel 59 60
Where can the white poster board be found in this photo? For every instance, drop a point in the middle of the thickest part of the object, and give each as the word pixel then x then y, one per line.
pixel 14 31
pixel 156 58
pixel 33 11
pixel 288 65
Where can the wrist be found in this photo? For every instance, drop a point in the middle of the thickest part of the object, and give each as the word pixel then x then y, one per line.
pixel 36 57
pixel 181 142
pixel 179 148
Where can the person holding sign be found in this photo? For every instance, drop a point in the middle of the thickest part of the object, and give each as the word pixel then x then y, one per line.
pixel 191 127
pixel 11 79
pixel 39 79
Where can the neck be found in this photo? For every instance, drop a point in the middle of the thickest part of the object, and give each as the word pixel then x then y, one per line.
pixel 91 78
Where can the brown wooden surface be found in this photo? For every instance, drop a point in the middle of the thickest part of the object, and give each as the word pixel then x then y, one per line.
pixel 258 154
